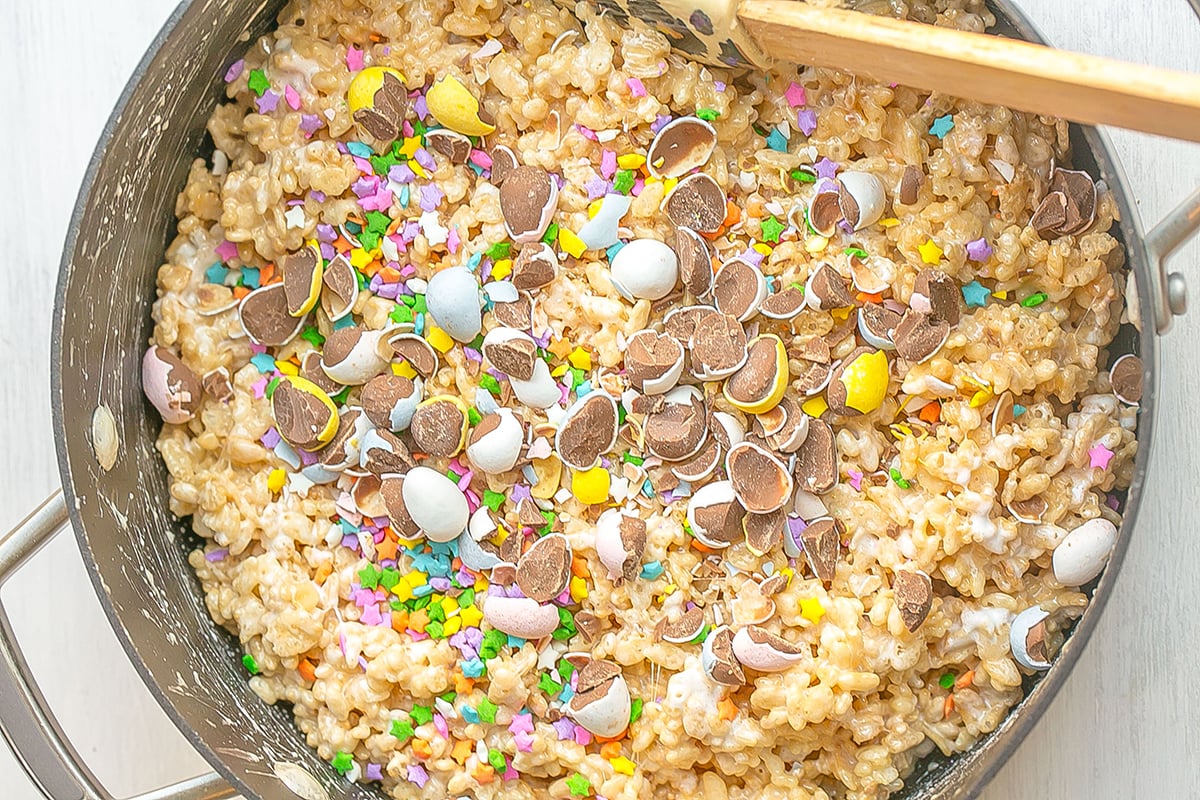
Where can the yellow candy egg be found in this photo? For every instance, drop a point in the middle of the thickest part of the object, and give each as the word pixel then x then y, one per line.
pixel 866 381
pixel 751 373
pixel 452 104
pixel 591 485
pixel 365 84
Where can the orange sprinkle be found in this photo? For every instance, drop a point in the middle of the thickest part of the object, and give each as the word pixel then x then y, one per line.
pixel 462 751
pixel 754 208
pixel 341 244
pixel 611 750
pixel 463 684
pixel 703 548
pixel 370 269
pixel 266 274
pixel 418 620
pixel 606 739
pixel 948 707
pixel 579 567
pixel 727 709
pixel 386 550
pixel 389 275
pixel 400 620
pixel 863 297
pixel 323 572
pixel 965 680
pixel 733 214
pixel 483 773
pixel 307 670
pixel 240 291
pixel 421 748
pixel 931 412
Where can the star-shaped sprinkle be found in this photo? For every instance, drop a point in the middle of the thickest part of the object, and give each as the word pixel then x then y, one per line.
pixel 941 126
pixel 855 479
pixel 930 252
pixel 826 168
pixel 1100 456
pixel 979 250
pixel 975 294
pixel 267 102
pixel 771 229
pixel 294 217
pixel 579 785
pixel 806 121
pixel 811 609
pixel 418 775
pixel 796 96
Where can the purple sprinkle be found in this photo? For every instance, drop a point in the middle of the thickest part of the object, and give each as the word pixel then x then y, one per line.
pixel 327 251
pixel 267 102
pixel 796 526
pixel 979 250
pixel 376 283
pixel 806 120
pixel 310 123
pixel 317 195
pixel 421 107
pixel 596 188
pixel 719 85
pixel 564 728
pixel 431 197
pixel 826 168
pixel 474 637
pixel 270 439
pixel 363 663
pixel 307 458
pixel 660 122
pixel 472 354
pixel 216 555
pixel 365 186
pixel 374 772
pixel 423 157
pixel 417 774
pixel 326 232
pixel 350 542
pixel 296 201
pixel 235 70
pixel 752 256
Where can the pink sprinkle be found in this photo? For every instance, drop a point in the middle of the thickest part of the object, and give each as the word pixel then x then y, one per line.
pixel 481 159
pixel 523 741
pixel 342 643
pixel 452 241
pixel 521 723
pixel 588 133
pixel 582 736
pixel 260 388
pixel 608 164
pixel 226 250
pixel 258 349
pixel 636 87
pixel 511 774
pixel 216 555
pixel 371 616
pixel 638 185
pixel 408 271
pixel 439 722
pixel 408 128
pixel 354 58
pixel 796 96
pixel 380 201
pixel 465 481
pixel 363 165
pixel 1100 456
pixel 292 97
pixel 855 479
pixel 417 636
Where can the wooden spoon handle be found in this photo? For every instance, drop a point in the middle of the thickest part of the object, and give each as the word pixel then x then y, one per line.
pixel 992 69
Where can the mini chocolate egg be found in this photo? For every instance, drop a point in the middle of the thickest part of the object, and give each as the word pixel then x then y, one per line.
pixel 808 506
pixel 453 300
pixel 452 104
pixel 739 289
pixel 727 430
pixel 544 570
pixel 451 144
pixel 715 515
pixel 1027 636
pixel 481 525
pixel 620 543
pixel 678 424
pixel 680 146
pixel 415 351
pixel 1031 511
pixel 877 326
pixel 683 629
pixel 534 267
pixel 826 289
pixel 354 355
pixel 511 351
pixel 859 384
pixel 910 185
pixel 760 481
pixel 310 368
pixel 339 290
pixel 1127 379
pixel 435 503
pixel 763 651
pixel 653 361
pixel 816 468
pixel 919 336
pixel 764 532
pixel 861 198
pixel 495 443
pixel 762 381
pixel 587 430
pixel 528 200
pixel 366 83
pixel 439 425
pixel 391 489
pixel 792 430
pixel 302 273
pixel 1083 552
pixel 170 385
pixel 389 401
pixel 697 202
pixel 367 497
pixel 718 659
pixel 520 616
pixel 264 316
pixel 541 391
pixel 601 703
pixel 786 304
pixel 383 453
pixel 825 210
pixel 644 269
pixel 718 346
pixel 695 261
pixel 913 591
pixel 304 415
pixel 822 543
pixel 700 466
pixel 344 448
pixel 872 275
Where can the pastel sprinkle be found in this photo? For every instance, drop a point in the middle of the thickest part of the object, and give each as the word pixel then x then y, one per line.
pixel 795 95
pixel 941 126
pixel 975 294
pixel 979 250
pixel 1100 456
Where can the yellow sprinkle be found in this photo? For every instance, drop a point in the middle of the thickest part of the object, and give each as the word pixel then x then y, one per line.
pixel 765 249
pixel 452 625
pixel 623 765
pixel 579 589
pixel 471 616
pixel 418 169
pixel 415 578
pixel 977 383
pixel 404 370
pixel 276 480
pixel 359 258
pixel 788 573
pixel 410 147
pixel 631 161
pixel 669 589
pixel 591 485
pixel 815 244
pixel 1001 295
pixel 811 609
pixel 980 398
pixel 437 337
pixel 580 358
pixel 560 370
pixel 287 368
pixel 402 591
pixel 669 184
pixel 593 210
pixel 815 406
pixel 502 269
pixel 889 222
pixel 900 430
pixel 653 179
pixel 568 241
pixel 449 605
pixel 481 583
pixel 930 252
pixel 842 314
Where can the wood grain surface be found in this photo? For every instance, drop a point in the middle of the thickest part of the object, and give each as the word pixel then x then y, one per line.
pixel 1125 726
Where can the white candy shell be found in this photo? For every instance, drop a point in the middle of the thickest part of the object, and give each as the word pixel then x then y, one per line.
pixel 645 269
pixel 1019 632
pixel 176 403
pixel 609 548
pixel 760 656
pixel 607 716
pixel 709 494
pixel 733 429
pixel 541 391
pixel 868 193
pixel 435 504
pixel 481 525
pixel 793 442
pixel 809 506
pixel 521 617
pixel 501 292
pixel 600 231
pixel 402 413
pixel 452 298
pixel 498 450
pixel 370 357
pixel 1083 552
pixel 474 556
pixel 878 342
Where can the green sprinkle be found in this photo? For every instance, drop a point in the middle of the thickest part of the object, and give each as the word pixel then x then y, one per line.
pixel 578 376
pixel 341 396
pixel 271 387
pixel 496 759
pixel 421 715
pixel 490 646
pixel 435 629
pixel 369 576
pixel 493 500
pixel 402 729
pixel 474 417
pixel 803 177
pixel 635 709
pixel 377 225
pixel 258 82
pixel 707 114
pixel 566 625
pixel 899 479
pixel 551 233
pixel 250 664
pixel 566 669
pixel 343 762
pixel 437 613
pixel 421 602
pixel 771 229
pixel 467 598
pixel 390 578
pixel 947 680
pixel 630 458
pixel 623 183
pixel 702 635
pixel 490 383
pixel 856 251
pixel 397 604
pixel 418 305
pixel 579 786
pixel 381 165
pixel 498 251
pixel 401 314
pixel 1034 300
pixel 313 336
pixel 549 516
pixel 548 685
pixel 487 711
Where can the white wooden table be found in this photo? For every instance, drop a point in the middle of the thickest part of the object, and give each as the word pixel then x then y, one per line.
pixel 1124 727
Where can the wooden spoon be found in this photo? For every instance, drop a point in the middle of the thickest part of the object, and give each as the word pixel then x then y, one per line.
pixel 992 69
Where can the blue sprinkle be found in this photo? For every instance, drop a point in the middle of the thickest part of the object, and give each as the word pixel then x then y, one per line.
pixel 347 527
pixel 470 715
pixel 648 488
pixel 405 193
pixel 345 322
pixel 941 126
pixel 583 388
pixel 216 274
pixel 418 324
pixel 516 642
pixel 478 169
pixel 652 570
pixel 250 277
pixel 777 141
pixel 263 363
pixel 472 668
pixel 1018 410
pixel 567 693
pixel 359 149
pixel 474 261
pixel 421 591
pixel 612 251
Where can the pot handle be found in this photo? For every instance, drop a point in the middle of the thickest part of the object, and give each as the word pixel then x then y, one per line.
pixel 27 723
pixel 1169 291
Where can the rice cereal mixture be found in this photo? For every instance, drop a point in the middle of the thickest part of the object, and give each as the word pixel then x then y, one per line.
pixel 564 418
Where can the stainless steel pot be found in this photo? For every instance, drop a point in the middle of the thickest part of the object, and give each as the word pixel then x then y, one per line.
pixel 136 552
